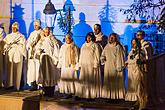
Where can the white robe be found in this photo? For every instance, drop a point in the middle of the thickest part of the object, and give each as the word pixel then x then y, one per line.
pixel 32 64
pixel 16 50
pixel 101 39
pixel 68 73
pixel 49 74
pixel 90 78
pixel 149 51
pixel 33 40
pixel 113 58
pixel 2 35
pixel 134 76
pixel 147 47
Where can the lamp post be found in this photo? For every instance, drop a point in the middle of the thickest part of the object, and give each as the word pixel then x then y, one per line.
pixel 69 20
pixel 50 15
pixel 69 8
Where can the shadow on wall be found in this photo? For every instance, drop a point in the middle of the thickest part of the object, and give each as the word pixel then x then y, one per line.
pixel 126 40
pixel 66 19
pixel 37 16
pixel 107 16
pixel 17 12
pixel 127 36
pixel 80 30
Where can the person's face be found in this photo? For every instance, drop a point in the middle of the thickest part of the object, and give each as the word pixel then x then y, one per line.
pixel 134 44
pixel 46 32
pixel 96 30
pixel 112 39
pixel 139 36
pixel 68 40
pixel 36 27
pixel 14 29
pixel 89 39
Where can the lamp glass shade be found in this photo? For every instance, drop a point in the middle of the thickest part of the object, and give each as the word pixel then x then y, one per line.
pixel 49 8
pixel 49 19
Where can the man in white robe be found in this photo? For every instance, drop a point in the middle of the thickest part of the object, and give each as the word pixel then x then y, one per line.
pixel 113 59
pixel 47 51
pixel 33 64
pixel 68 63
pixel 2 35
pixel 15 51
pixel 145 45
pixel 147 78
pixel 101 40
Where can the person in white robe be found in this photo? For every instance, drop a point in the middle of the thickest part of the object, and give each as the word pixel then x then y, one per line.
pixel 101 40
pixel 145 45
pixel 33 64
pixel 146 80
pixel 134 71
pixel 47 51
pixel 68 63
pixel 113 59
pixel 89 64
pixel 2 35
pixel 15 52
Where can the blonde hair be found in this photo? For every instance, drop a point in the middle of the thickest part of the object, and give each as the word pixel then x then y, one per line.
pixel 69 36
pixel 16 25
pixel 37 22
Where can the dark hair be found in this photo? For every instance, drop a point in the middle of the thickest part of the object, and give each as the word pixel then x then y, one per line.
pixel 138 44
pixel 117 40
pixel 92 36
pixel 116 36
pixel 47 28
pixel 98 27
pixel 141 31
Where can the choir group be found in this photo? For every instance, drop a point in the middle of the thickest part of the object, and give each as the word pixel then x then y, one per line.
pixel 93 71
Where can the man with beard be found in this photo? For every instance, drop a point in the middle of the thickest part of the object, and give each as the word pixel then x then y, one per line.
pixel 147 78
pixel 145 44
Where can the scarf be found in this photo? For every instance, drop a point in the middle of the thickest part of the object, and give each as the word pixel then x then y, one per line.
pixel 99 36
pixel 70 55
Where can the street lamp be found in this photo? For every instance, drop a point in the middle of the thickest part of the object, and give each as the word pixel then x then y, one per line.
pixel 50 14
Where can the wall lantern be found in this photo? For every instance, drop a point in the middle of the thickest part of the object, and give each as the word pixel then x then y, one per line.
pixel 50 14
